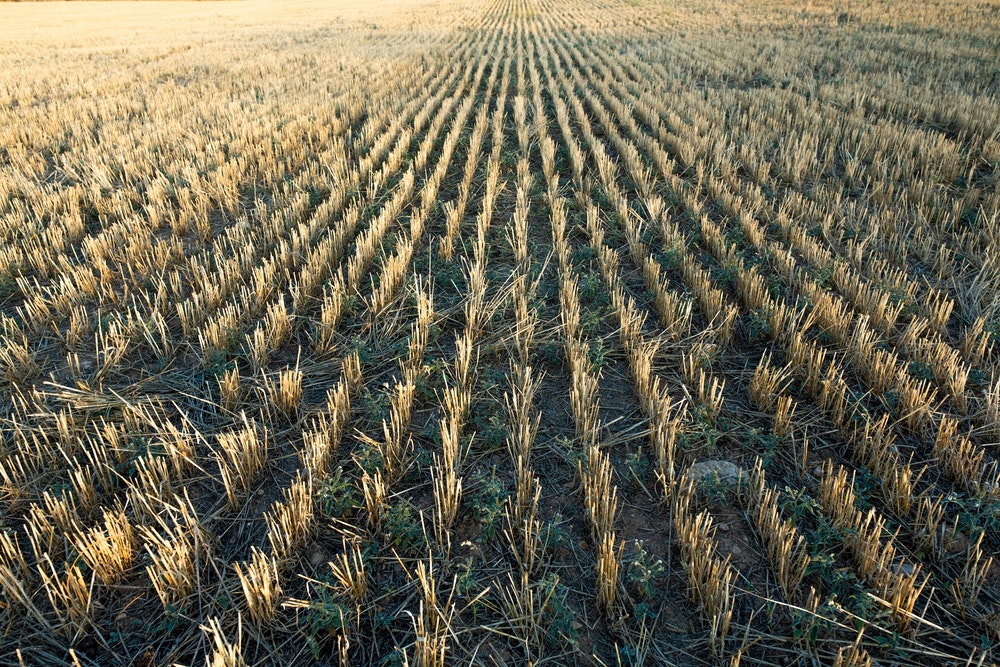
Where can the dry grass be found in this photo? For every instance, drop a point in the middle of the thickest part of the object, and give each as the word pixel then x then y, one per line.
pixel 381 333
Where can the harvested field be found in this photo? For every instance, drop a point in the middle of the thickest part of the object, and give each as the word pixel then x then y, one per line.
pixel 501 332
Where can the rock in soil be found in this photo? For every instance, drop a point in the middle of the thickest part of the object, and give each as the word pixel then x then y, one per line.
pixel 728 473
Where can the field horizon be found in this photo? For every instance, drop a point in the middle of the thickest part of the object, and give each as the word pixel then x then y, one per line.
pixel 502 332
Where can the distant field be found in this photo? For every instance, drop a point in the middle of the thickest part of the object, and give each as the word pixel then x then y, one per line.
pixel 501 332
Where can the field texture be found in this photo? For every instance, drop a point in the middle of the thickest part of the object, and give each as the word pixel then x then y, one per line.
pixel 500 332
